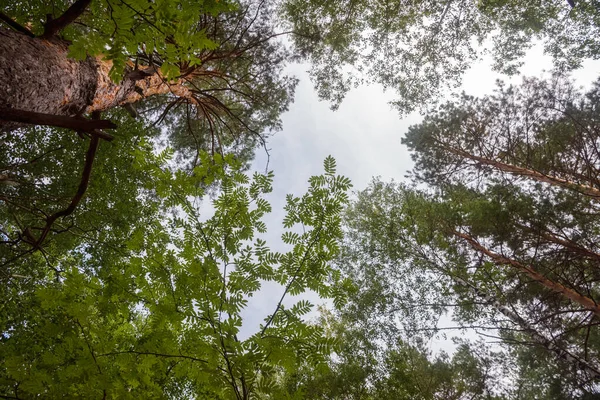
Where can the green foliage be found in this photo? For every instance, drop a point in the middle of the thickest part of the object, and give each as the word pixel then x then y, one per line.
pixel 420 49
pixel 223 61
pixel 156 311
pixel 501 236
pixel 120 29
pixel 367 367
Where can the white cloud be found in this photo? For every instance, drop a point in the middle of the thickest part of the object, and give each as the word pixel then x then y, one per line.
pixel 364 137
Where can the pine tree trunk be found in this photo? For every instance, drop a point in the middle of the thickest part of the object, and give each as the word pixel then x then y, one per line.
pixel 585 302
pixel 36 75
pixel 536 175
pixel 578 362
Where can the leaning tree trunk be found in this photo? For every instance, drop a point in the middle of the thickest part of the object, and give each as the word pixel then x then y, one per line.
pixel 36 75
pixel 592 371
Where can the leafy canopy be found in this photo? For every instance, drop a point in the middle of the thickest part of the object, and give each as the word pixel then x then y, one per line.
pixel 117 29
pixel 501 235
pixel 159 313
pixel 420 49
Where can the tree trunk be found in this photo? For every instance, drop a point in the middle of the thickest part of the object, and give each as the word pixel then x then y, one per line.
pixel 568 293
pixel 37 76
pixel 581 364
pixel 536 175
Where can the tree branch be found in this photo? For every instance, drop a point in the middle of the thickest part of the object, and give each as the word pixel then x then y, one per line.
pixel 149 353
pixel 83 185
pixel 60 121
pixel 53 26
pixel 586 302
pixel 15 25
pixel 290 283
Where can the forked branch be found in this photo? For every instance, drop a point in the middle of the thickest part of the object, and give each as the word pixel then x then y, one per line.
pixel 53 26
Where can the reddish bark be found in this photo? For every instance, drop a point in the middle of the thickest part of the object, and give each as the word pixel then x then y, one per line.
pixel 537 337
pixel 536 175
pixel 37 76
pixel 568 293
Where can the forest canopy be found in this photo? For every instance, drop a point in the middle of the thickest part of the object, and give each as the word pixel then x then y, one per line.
pixel 134 236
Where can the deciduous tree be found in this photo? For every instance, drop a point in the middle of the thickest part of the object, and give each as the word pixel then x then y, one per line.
pixel 420 49
pixel 158 315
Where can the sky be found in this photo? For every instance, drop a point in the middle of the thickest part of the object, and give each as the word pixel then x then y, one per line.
pixel 364 136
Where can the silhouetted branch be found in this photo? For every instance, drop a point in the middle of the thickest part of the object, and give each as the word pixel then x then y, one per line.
pixel 83 185
pixel 60 121
pixel 53 26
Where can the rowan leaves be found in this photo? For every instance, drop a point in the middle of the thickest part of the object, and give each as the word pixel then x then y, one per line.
pixel 164 310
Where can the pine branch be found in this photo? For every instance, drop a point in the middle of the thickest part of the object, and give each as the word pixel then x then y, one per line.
pixel 586 302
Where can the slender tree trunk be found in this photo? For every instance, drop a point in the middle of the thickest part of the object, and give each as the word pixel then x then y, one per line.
pixel 36 75
pixel 568 293
pixel 516 170
pixel 591 370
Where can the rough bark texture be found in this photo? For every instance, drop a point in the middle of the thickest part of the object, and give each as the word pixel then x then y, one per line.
pixel 109 95
pixel 36 75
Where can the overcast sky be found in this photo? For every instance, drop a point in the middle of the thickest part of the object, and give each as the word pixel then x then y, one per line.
pixel 364 137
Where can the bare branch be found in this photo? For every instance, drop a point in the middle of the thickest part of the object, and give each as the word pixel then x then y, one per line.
pixel 60 121
pixel 83 185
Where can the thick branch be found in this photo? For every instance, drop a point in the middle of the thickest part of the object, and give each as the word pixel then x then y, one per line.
pixel 53 26
pixel 60 121
pixel 15 25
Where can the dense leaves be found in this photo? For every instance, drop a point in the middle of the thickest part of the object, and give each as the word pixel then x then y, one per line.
pixel 120 279
pixel 158 314
pixel 504 239
pixel 210 74
pixel 173 30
